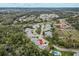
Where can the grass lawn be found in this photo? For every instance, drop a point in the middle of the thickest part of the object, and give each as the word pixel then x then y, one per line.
pixel 65 53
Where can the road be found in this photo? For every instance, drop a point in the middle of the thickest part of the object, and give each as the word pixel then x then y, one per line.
pixel 65 49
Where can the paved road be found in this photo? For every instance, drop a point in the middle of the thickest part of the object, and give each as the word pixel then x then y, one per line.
pixel 66 49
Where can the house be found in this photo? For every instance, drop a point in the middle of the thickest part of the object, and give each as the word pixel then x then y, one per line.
pixel 41 41
pixel 48 34
pixel 56 53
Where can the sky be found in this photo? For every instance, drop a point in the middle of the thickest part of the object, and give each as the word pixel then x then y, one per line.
pixel 39 5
